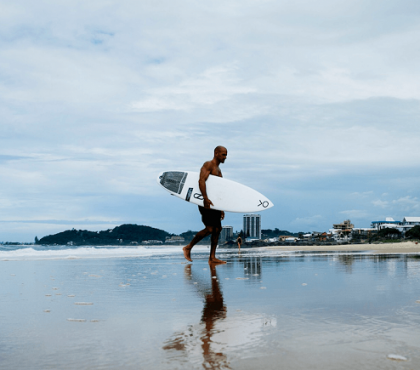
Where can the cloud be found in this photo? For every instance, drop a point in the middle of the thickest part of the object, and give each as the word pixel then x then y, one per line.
pixel 362 195
pixel 380 203
pixel 318 106
pixel 4 158
pixel 407 204
pixel 307 221
pixel 355 213
pixel 403 204
pixel 211 87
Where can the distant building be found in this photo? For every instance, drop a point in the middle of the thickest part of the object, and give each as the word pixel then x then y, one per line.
pixel 362 234
pixel 341 232
pixel 252 226
pixel 345 225
pixel 322 236
pixel 388 223
pixel 271 240
pixel 226 234
pixel 282 238
pixel 306 237
pixel 409 222
pixel 174 239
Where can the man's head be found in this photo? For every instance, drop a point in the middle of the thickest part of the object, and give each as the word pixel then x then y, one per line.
pixel 220 153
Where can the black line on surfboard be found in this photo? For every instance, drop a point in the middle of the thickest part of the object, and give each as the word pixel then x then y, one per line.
pixel 188 197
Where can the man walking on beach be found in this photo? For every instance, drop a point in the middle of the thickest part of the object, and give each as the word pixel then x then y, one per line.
pixel 211 218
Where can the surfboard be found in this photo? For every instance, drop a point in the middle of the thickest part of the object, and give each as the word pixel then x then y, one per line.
pixel 226 195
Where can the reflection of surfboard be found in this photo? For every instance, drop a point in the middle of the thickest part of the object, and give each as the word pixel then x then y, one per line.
pixel 226 195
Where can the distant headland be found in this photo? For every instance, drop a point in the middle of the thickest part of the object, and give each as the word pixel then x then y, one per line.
pixel 130 234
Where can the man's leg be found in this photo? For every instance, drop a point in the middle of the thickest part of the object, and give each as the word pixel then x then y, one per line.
pixel 214 239
pixel 199 236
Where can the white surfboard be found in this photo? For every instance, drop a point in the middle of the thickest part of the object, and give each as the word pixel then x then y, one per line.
pixel 226 195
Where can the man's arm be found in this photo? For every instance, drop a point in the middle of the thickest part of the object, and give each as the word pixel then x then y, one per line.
pixel 204 175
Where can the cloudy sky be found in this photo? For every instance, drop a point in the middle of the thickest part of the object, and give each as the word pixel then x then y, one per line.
pixel 316 102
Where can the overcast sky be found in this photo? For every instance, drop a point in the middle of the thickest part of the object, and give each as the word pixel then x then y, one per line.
pixel 316 102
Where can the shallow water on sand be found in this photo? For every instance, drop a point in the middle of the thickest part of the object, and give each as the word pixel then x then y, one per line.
pixel 263 309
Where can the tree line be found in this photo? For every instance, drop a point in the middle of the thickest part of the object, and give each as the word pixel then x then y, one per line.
pixel 127 234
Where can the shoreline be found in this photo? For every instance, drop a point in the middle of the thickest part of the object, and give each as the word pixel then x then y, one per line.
pixel 383 248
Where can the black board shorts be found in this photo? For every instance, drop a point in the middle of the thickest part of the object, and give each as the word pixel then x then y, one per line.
pixel 211 217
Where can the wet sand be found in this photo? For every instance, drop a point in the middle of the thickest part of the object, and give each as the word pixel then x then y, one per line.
pixel 266 308
pixel 374 248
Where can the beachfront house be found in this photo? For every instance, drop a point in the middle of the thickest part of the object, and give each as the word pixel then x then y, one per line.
pixel 175 239
pixel 290 239
pixel 250 240
pixel 271 240
pixel 345 225
pixel 408 223
pixel 388 223
pixel 282 238
pixel 306 237
pixel 342 232
pixel 321 236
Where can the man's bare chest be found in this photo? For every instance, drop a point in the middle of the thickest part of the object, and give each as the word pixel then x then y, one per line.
pixel 216 172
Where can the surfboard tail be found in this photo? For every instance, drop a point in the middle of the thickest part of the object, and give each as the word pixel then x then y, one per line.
pixel 173 181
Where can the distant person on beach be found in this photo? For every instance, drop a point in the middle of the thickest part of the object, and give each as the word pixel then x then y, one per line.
pixel 239 240
pixel 211 218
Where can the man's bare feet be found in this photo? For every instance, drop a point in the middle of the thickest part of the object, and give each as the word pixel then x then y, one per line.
pixel 215 260
pixel 187 253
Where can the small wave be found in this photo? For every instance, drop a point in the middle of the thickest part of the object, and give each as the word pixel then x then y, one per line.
pixel 200 251
pixel 86 252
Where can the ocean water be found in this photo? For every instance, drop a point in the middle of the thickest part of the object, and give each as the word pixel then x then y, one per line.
pixel 147 308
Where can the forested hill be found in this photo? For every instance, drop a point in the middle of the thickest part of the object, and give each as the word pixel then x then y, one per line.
pixel 120 235
pixel 129 234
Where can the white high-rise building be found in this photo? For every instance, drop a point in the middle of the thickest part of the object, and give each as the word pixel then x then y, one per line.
pixel 226 234
pixel 252 226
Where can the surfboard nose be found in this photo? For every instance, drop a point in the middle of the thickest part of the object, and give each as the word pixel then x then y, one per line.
pixel 265 204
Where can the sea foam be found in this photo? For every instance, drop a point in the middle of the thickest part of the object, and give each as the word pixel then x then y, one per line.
pixel 60 252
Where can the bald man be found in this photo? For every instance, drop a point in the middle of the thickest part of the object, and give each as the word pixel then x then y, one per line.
pixel 211 218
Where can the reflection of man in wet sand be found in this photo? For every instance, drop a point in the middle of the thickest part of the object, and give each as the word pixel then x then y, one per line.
pixel 211 218
pixel 214 310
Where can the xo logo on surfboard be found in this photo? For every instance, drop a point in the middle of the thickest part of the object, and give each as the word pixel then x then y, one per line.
pixel 265 204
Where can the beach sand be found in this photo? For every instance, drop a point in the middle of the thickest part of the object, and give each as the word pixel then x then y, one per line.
pixel 374 248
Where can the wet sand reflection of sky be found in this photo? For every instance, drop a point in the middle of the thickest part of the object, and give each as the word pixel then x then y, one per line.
pixel 215 335
pixel 318 310
pixel 261 310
